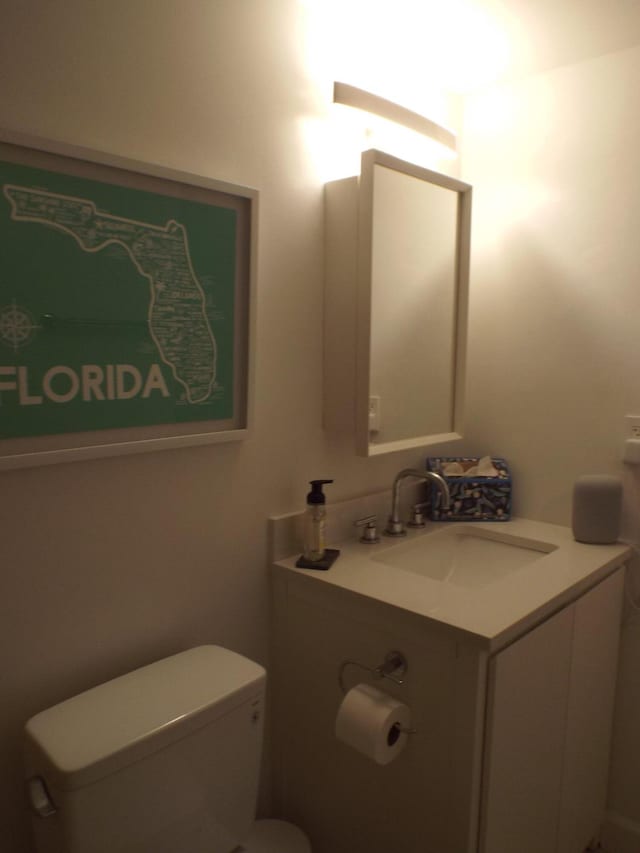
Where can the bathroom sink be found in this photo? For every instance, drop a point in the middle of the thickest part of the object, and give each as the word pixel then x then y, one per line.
pixel 465 555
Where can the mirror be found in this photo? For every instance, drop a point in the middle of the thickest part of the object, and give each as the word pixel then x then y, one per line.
pixel 395 312
pixel 413 271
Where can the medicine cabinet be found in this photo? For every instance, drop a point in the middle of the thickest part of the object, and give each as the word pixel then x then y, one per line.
pixel 396 296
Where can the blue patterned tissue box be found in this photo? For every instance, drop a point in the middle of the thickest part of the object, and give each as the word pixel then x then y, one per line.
pixel 474 497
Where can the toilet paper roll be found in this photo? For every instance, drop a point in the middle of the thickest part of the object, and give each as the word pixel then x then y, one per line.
pixel 371 722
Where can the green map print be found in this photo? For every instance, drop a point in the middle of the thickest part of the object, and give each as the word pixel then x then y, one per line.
pixel 116 306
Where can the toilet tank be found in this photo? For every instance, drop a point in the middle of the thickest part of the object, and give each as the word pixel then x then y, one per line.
pixel 164 759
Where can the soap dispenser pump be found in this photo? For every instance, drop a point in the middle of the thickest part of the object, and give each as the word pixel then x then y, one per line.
pixel 315 555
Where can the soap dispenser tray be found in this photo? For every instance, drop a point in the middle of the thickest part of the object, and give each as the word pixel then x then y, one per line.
pixel 330 556
pixel 473 498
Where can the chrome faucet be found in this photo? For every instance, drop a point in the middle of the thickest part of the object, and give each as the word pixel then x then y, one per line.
pixel 395 527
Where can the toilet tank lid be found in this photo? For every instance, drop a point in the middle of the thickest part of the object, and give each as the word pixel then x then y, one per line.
pixel 117 723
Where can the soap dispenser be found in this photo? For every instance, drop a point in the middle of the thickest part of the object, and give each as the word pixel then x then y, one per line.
pixel 315 555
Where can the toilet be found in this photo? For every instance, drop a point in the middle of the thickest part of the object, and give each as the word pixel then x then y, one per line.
pixel 164 759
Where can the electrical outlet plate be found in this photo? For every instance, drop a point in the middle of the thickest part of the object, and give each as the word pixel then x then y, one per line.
pixel 632 426
pixel 375 414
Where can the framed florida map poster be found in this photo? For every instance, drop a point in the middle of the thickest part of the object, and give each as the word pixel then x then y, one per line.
pixel 125 305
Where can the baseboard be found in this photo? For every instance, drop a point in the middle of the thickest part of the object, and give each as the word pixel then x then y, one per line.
pixel 620 835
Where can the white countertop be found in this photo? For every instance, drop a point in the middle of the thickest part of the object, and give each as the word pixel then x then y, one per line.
pixel 491 615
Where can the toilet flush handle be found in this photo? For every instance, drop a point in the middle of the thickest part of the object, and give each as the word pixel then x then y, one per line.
pixel 39 798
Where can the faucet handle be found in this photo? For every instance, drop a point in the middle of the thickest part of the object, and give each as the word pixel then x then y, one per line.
pixel 369 532
pixel 417 515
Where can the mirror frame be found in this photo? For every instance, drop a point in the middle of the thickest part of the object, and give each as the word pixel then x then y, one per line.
pixel 369 160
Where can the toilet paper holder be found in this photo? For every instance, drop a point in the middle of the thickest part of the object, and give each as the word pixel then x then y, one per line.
pixel 392 667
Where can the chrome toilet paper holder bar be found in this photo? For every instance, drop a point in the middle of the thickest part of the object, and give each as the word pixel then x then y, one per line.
pixel 393 667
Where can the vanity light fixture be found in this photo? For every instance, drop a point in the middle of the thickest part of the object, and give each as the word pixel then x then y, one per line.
pixel 352 96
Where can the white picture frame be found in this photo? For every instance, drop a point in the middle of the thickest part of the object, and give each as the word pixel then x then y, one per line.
pixel 130 179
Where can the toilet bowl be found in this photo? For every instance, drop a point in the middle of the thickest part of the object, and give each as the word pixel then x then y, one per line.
pixel 276 836
pixel 163 759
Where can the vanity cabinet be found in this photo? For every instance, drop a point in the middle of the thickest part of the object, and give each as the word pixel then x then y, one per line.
pixel 549 711
pixel 511 745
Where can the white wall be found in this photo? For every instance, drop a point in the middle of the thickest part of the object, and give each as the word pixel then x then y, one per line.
pixel 554 347
pixel 109 564
pixel 106 565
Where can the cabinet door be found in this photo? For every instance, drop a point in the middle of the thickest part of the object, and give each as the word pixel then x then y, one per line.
pixel 594 664
pixel 525 738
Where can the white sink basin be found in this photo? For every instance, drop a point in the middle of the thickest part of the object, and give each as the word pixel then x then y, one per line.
pixel 465 555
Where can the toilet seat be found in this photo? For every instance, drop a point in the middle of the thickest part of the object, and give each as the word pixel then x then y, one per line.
pixel 276 836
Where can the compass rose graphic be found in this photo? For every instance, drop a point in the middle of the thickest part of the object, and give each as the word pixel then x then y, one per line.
pixel 17 326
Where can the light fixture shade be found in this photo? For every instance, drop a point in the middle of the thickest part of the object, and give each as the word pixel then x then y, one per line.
pixel 352 96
